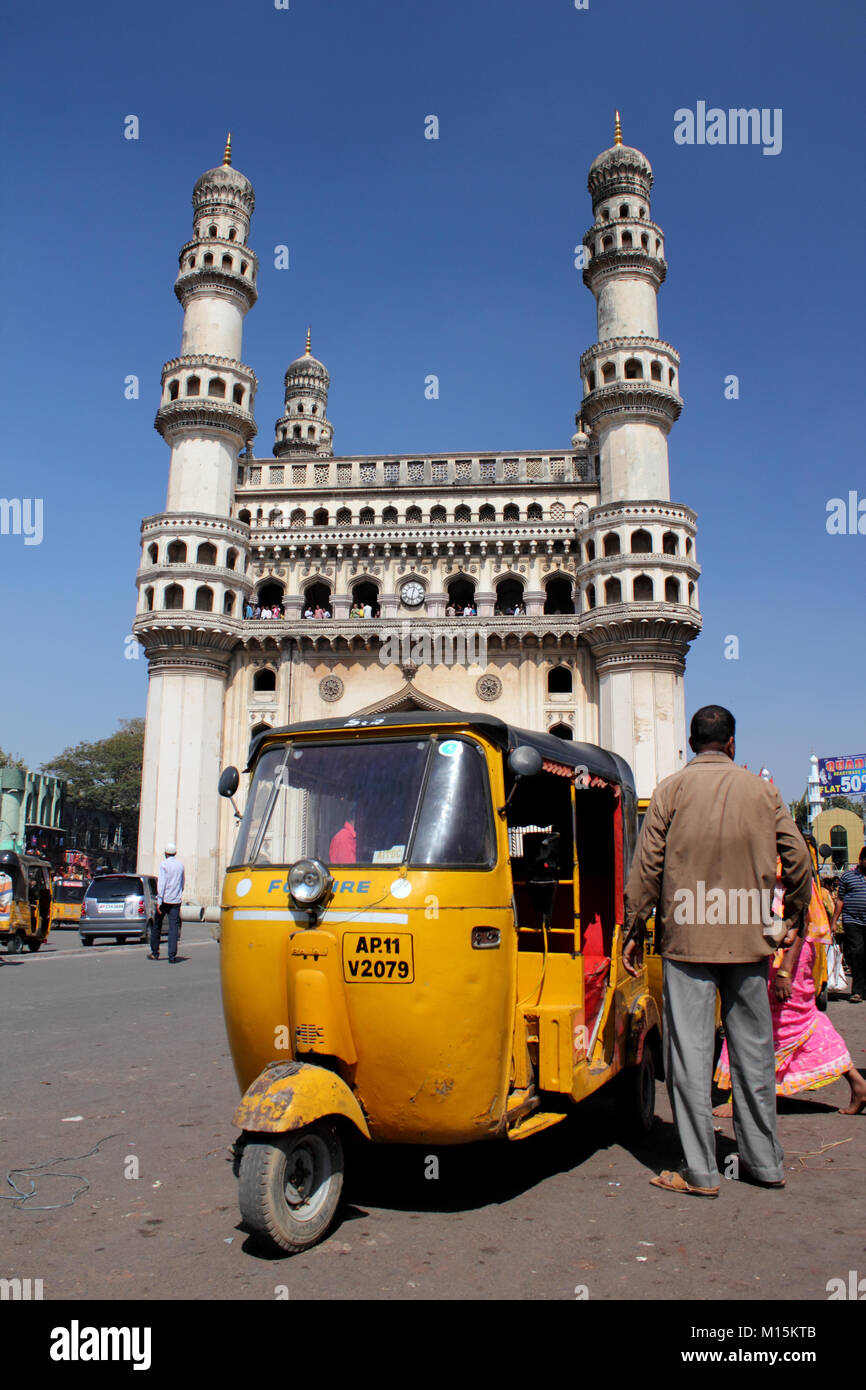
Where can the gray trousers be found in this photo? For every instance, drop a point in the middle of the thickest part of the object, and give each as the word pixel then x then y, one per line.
pixel 689 1035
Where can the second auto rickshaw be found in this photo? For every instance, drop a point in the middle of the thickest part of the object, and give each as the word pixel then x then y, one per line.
pixel 25 901
pixel 420 943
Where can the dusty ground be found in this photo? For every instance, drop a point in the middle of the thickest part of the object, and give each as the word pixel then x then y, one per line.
pixel 137 1052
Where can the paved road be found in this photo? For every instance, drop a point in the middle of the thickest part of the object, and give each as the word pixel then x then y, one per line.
pixel 101 1042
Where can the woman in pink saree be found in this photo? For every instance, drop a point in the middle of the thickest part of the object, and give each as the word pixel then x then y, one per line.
pixel 809 1051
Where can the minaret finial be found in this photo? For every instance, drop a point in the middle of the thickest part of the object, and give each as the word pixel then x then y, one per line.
pixel 307 349
pixel 227 157
pixel 617 131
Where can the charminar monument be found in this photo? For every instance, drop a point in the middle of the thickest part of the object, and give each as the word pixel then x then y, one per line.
pixel 582 541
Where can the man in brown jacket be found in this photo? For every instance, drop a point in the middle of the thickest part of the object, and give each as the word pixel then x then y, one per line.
pixel 707 860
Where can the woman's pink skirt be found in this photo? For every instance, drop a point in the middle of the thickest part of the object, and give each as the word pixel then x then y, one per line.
pixel 809 1051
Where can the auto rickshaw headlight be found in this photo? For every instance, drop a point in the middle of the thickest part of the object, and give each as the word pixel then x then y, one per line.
pixel 309 882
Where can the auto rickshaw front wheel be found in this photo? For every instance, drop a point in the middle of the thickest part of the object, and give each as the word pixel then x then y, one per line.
pixel 637 1095
pixel 289 1185
pixel 15 944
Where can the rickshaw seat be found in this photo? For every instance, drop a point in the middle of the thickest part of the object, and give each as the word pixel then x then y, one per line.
pixel 596 968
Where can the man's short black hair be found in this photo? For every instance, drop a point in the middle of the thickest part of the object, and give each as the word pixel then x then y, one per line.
pixel 862 854
pixel 711 724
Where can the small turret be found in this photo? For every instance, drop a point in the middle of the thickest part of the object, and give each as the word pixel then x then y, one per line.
pixel 303 431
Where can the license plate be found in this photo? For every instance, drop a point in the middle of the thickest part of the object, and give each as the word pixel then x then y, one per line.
pixel 377 958
pixel 111 907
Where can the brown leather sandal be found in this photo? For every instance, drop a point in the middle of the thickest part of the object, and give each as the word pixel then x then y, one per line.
pixel 675 1182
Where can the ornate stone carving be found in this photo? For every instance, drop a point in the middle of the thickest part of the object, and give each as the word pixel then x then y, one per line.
pixel 488 687
pixel 331 688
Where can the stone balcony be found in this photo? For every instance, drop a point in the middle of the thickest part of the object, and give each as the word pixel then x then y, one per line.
pixel 432 470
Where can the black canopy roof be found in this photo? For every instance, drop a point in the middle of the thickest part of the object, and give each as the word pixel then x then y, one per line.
pixel 598 761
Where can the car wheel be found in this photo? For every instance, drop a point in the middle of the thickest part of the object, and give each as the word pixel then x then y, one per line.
pixel 290 1185
pixel 87 940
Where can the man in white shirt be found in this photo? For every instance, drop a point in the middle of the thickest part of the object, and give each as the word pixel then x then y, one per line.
pixel 169 888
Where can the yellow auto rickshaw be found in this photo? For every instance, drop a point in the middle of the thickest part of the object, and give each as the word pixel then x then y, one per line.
pixel 421 943
pixel 25 901
pixel 67 900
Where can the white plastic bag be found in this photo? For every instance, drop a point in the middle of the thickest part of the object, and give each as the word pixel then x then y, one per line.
pixel 836 978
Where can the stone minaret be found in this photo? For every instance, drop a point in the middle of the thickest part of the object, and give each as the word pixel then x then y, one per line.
pixel 192 581
pixel 303 430
pixel 638 575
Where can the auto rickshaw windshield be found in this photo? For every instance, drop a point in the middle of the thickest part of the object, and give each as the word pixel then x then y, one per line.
pixel 68 892
pixel 384 801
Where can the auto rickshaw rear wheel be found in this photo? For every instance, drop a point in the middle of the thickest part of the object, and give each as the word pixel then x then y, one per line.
pixel 16 944
pixel 289 1185
pixel 637 1094
pixel 34 945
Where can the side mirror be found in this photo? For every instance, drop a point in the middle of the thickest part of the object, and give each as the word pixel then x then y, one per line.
pixel 525 761
pixel 522 762
pixel 229 782
pixel 228 785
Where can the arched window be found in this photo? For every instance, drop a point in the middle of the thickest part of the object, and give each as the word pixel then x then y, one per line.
pixel 193 386
pixel 463 514
pixel 207 258
pixel 153 553
pixel 607 243
pixel 389 516
pixel 562 731
pixel 297 432
pixel 688 547
pixel 509 593
pixel 227 263
pixel 212 231
pixel 320 516
pixel 204 599
pixel 206 554
pixel 672 376
pixel 300 407
pixel 365 592
pixel 644 241
pixel 487 513
pixel 173 597
pixel 590 380
pixel 148 600
pixel 670 543
pixel 624 211
pixel 643 589
pixel 839 845
pixel 191 263
pixel 633 370
pixel 611 543
pixel 298 518
pixel 344 516
pixel 656 371
pixel 438 516
pixel 613 591
pixel 534 512
pixel 243 267
pixel 231 559
pixel 560 681
pixel 557 511
pixel 367 516
pixel 232 233
pixel 672 590
pixel 217 387
pixel 641 542
pixel 590 596
pixel 174 390
pixel 228 604
pixel 691 595
pixel 176 552
pixel 461 591
pixel 608 372
pixel 511 512
pixel 265 679
pixel 558 597
pixel 244 516
pixel 238 395
pixel 590 552
pixel 311 432
pixel 317 595
pixel 259 729
pixel 413 516
pixel 627 241
pixel 270 595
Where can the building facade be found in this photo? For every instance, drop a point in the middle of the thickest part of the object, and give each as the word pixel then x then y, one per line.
pixel 557 589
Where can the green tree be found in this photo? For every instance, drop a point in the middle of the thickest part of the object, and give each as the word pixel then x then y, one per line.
pixel 106 775
pixel 8 760
pixel 844 803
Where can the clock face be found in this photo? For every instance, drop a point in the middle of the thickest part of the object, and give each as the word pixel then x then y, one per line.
pixel 412 593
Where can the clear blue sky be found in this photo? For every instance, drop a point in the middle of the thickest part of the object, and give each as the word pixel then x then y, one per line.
pixel 454 256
